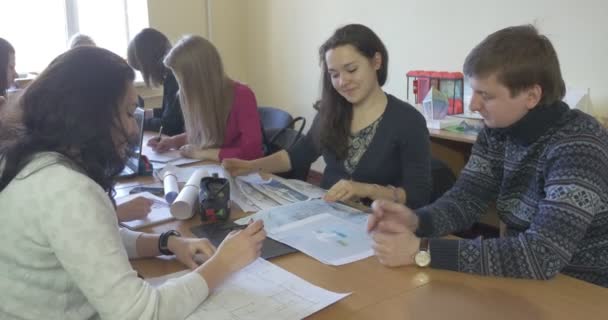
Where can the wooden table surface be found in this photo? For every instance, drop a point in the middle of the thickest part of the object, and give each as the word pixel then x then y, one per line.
pixel 380 292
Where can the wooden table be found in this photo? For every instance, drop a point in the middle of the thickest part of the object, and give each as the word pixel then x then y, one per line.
pixel 379 292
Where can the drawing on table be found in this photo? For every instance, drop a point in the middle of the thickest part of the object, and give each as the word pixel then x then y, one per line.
pixel 255 197
pixel 280 192
pixel 331 236
pixel 261 291
pixel 279 216
pixel 308 189
pixel 327 238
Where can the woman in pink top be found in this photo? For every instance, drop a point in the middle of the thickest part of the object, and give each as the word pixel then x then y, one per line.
pixel 220 114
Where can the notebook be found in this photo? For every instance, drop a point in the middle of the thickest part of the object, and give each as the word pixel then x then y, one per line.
pixel 132 165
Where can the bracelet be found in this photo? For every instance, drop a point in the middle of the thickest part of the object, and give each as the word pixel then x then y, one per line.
pixel 163 241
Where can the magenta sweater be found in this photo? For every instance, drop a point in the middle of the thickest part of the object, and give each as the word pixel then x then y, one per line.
pixel 243 138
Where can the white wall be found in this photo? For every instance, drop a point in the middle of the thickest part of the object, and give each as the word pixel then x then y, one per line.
pixel 179 17
pixel 272 44
pixel 282 39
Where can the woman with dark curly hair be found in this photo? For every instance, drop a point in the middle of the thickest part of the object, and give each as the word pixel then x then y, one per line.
pixel 67 257
pixel 7 66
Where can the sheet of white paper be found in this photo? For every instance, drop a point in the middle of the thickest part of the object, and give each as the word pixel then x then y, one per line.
pixel 326 238
pixel 261 291
pixel 310 190
pixel 280 192
pixel 164 157
pixel 159 213
pixel 159 160
pixel 252 197
pixel 282 215
pixel 254 178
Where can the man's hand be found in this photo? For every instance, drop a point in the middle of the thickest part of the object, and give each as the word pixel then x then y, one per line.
pixel 389 216
pixel 395 249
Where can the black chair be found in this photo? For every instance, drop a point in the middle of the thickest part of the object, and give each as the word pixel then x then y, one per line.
pixel 273 118
pixel 273 121
pixel 285 139
pixel 279 134
pixel 443 178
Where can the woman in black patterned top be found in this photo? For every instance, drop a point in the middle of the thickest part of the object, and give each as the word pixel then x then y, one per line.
pixel 375 145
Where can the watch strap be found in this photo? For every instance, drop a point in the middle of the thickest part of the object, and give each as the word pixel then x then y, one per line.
pixel 163 242
pixel 424 244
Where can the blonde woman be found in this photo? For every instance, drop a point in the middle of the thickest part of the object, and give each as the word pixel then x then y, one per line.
pixel 220 114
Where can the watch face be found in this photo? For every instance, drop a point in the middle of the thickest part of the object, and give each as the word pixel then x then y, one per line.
pixel 422 258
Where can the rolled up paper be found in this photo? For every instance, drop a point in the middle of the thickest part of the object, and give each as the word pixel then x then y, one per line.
pixel 170 186
pixel 183 206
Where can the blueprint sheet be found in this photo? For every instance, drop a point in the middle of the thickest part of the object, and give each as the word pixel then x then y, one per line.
pixel 261 291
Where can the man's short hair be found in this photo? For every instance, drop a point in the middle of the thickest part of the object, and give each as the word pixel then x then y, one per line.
pixel 520 57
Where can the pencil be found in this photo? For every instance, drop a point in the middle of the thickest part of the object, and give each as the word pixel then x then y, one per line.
pixel 160 133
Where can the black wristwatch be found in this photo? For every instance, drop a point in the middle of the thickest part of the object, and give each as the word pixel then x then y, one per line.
pixel 163 240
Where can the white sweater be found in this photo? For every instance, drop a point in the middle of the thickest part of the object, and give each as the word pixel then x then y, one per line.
pixel 62 255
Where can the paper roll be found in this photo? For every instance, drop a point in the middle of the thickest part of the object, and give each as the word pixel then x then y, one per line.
pixel 183 206
pixel 170 186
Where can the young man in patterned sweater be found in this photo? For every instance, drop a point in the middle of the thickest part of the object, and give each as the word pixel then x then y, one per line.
pixel 545 166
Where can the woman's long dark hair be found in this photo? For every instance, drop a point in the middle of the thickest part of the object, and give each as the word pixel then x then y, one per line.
pixel 146 53
pixel 72 108
pixel 336 112
pixel 6 49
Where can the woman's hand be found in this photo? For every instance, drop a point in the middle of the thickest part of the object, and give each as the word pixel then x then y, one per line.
pixel 191 251
pixel 160 145
pixel 238 167
pixel 134 209
pixel 239 249
pixel 346 190
pixel 193 152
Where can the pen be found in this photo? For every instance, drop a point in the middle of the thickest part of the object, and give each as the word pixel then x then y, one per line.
pixel 160 133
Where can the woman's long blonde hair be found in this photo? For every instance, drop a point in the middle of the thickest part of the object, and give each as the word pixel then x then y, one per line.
pixel 205 91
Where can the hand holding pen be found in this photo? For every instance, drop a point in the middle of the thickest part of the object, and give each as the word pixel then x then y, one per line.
pixel 160 134
pixel 160 144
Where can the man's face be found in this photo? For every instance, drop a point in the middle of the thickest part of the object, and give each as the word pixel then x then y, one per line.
pixel 497 106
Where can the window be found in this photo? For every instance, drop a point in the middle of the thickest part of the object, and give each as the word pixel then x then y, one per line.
pixel 40 29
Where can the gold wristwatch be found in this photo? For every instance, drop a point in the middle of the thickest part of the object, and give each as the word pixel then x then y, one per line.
pixel 423 257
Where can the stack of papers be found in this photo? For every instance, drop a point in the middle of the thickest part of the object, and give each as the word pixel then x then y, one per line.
pixel 261 291
pixel 326 238
pixel 329 232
